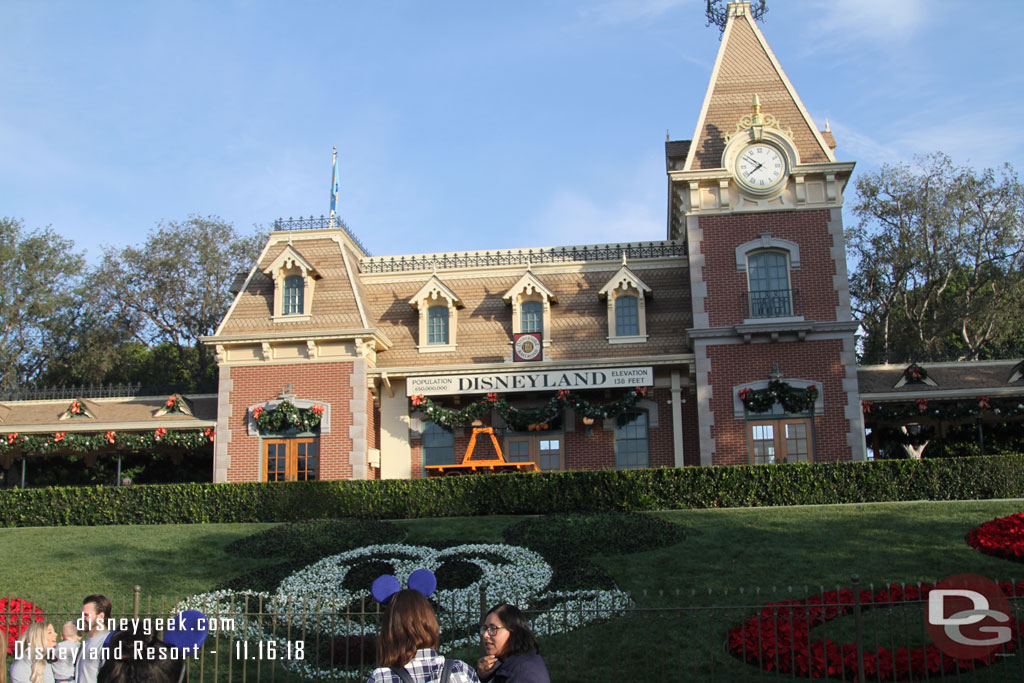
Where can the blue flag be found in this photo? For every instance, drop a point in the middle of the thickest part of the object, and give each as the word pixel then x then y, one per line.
pixel 334 185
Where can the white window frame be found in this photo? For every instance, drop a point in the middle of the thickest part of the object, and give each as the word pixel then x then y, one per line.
pixel 436 293
pixel 626 283
pixel 530 288
pixel 291 263
pixel 767 243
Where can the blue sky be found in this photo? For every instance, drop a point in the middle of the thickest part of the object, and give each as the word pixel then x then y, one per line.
pixel 459 125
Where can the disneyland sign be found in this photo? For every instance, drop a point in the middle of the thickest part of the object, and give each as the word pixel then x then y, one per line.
pixel 547 380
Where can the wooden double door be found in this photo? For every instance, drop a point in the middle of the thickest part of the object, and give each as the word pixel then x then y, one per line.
pixel 295 459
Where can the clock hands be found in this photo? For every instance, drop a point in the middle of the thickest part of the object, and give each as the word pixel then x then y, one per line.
pixel 752 161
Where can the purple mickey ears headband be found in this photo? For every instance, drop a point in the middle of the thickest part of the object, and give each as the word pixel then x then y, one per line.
pixel 386 585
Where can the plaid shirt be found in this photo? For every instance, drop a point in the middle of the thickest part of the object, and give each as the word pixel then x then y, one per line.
pixel 425 667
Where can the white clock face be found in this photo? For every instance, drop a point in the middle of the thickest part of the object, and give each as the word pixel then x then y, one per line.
pixel 761 167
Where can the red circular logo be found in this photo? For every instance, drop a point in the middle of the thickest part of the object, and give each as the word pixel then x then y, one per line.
pixel 968 616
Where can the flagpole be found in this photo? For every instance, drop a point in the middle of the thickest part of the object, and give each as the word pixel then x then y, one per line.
pixel 334 186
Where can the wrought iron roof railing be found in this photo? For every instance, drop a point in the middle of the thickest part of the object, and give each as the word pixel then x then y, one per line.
pixel 95 391
pixel 321 223
pixel 512 257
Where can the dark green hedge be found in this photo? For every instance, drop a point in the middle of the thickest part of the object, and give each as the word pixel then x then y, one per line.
pixel 650 489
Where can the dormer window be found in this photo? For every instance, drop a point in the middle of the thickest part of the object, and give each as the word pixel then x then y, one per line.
pixel 531 306
pixel 627 322
pixel 627 309
pixel 531 316
pixel 438 307
pixel 437 325
pixel 294 278
pixel 293 291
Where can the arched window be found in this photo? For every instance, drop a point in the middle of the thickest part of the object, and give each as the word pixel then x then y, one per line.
pixel 631 443
pixel 627 316
pixel 437 445
pixel 532 316
pixel 291 301
pixel 768 277
pixel 437 325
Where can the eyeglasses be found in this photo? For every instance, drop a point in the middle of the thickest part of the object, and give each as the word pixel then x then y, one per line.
pixel 490 630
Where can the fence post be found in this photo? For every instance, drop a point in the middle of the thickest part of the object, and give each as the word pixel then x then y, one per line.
pixel 135 602
pixel 483 600
pixel 859 639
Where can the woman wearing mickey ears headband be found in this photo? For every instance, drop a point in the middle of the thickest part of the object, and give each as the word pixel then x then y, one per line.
pixel 510 650
pixel 410 634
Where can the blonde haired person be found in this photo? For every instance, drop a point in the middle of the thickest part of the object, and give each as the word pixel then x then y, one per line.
pixel 30 665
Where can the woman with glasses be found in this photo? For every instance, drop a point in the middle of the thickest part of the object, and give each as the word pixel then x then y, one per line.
pixel 511 653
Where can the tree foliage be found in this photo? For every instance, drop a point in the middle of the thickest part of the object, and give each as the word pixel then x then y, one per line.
pixel 174 289
pixel 939 250
pixel 41 274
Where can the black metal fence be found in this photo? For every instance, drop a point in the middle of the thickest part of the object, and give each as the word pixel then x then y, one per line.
pixel 772 303
pixel 850 632
pixel 522 257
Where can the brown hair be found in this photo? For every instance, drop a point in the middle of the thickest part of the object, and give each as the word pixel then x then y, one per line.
pixel 409 625
pixel 103 606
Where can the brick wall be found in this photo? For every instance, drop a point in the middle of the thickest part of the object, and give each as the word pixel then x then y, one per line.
pixel 726 285
pixel 320 382
pixel 735 364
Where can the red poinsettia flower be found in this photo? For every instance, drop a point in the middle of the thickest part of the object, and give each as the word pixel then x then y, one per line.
pixel 866 406
pixel 563 394
pixel 317 409
pixel 12 437
pixel 492 397
pixel 75 408
pixel 256 412
pixel 778 639
pixel 983 402
pixel 170 401
pixel 209 433
pixel 642 391
pixel 417 399
pixel 922 404
pixel 59 436
pixel 159 433
pixel 745 393
pixel 16 615
pixel 110 436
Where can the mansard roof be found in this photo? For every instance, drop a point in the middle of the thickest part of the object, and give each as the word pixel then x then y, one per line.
pixel 339 302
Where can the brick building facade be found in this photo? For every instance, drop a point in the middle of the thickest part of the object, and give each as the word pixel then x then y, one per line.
pixel 747 292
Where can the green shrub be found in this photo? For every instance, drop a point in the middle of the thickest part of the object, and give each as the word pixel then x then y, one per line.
pixel 540 493
pixel 566 541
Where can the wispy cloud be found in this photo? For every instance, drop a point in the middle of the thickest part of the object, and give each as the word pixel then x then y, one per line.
pixel 634 212
pixel 623 11
pixel 841 22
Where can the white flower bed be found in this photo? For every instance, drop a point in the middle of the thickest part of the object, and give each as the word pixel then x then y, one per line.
pixel 314 601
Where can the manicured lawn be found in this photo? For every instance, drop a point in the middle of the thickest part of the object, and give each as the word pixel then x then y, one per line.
pixel 798 549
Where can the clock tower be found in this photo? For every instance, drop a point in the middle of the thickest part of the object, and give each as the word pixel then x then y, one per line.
pixel 757 197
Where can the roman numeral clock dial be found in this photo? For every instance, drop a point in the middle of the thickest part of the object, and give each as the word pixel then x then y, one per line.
pixel 761 168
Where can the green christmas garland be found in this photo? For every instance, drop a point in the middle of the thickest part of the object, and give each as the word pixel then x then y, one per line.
pixel 942 411
pixel 84 443
pixel 528 419
pixel 286 416
pixel 792 399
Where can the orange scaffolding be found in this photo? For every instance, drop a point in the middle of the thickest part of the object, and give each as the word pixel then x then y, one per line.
pixel 493 466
